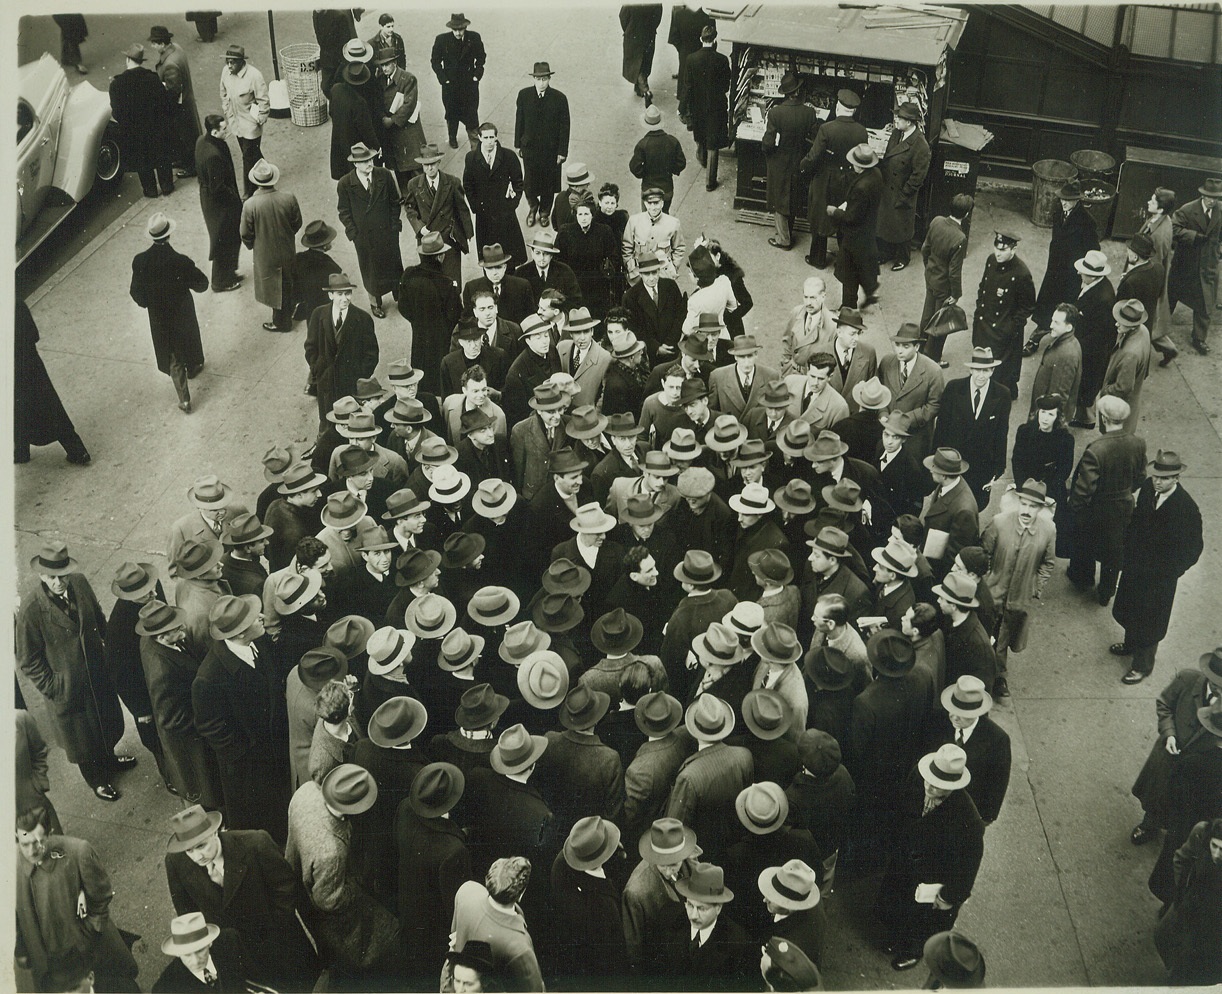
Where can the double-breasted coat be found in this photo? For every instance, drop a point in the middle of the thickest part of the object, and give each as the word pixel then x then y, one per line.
pixel 494 194
pixel 1160 545
pixel 1004 300
pixel 540 134
pixel 1073 235
pixel 64 657
pixel 219 198
pixel 144 111
pixel 904 167
pixel 459 66
pixel 162 281
pixel 980 439
pixel 372 221
pixel 337 361
pixel 445 212
pixel 787 133
pixel 829 182
pixel 405 134
pixel 270 219
pixel 240 712
pixel 708 89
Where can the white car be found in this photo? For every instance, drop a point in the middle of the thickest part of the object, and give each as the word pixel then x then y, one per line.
pixel 65 142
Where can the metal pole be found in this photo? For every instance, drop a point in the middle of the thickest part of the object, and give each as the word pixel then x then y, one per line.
pixel 271 30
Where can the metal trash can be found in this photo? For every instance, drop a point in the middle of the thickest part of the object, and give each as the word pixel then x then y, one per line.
pixel 299 69
pixel 1050 176
pixel 1096 171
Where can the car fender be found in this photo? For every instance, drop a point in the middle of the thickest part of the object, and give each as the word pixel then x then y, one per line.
pixel 86 116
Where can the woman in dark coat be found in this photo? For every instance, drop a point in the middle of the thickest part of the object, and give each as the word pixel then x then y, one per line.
pixel 39 417
pixel 1043 450
pixel 430 301
pixel 591 251
pixel 611 215
pixel 220 201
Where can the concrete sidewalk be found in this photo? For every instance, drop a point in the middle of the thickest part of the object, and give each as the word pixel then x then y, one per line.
pixel 1061 897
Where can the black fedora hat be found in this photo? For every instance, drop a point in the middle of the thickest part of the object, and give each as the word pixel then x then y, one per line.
pixel 617 632
pixel 828 668
pixel 436 789
pixel 658 714
pixel 479 707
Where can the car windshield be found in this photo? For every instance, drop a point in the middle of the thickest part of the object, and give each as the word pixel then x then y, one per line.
pixel 25 120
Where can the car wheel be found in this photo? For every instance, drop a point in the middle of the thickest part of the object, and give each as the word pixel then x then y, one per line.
pixel 109 166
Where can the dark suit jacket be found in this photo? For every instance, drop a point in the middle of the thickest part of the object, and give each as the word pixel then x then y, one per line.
pixel 446 213
pixel 969 651
pixel 454 364
pixel 660 323
pixel 231 970
pixel 955 513
pixel 528 442
pixel 726 962
pixel 588 941
pixel 889 728
pixel 258 900
pixel 704 793
pixel 550 517
pixel 517 298
pixel 750 856
pixel 606 570
pixel 1145 283
pixel 508 334
pixel 981 441
pixel 943 250
pixel 657 159
pixel 433 864
pixel 823 806
pixel 579 776
pixel 988 760
pixel 336 364
pixel 559 277
pixel 905 482
pixel 507 818
pixel 245 576
pixel 944 847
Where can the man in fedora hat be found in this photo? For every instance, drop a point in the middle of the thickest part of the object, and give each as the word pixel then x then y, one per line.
pixel 60 649
pixel 482 454
pixel 791 895
pixel 428 298
pixel 351 110
pixel 541 136
pixel 294 515
pixel 63 904
pixel 246 106
pixel 652 769
pixel 145 114
pixel 240 711
pixel 400 105
pixel 903 481
pixel 967 704
pixel 1162 542
pixel 204 957
pixel 951 507
pixel 198 567
pixel 862 430
pixel 1095 329
pixel 513 295
pixel 974 420
pixel 828 159
pixel 458 59
pixel 1129 364
pixel 934 857
pixel 969 649
pixel 369 205
pixel 668 851
pixel 708 85
pixel 587 884
pixel 270 219
pixel 655 310
pixel 943 252
pixel 497 333
pixel 333 29
pixel 434 202
pixel 709 781
pixel 219 201
pixel 857 260
pixel 1074 233
pixel 1197 233
pixel 916 384
pixel 212 501
pixel 244 567
pixel 341 345
pixel 557 501
pixel 1021 545
pixel 162 281
pixel 433 864
pixel 492 178
pixel 311 268
pixel 855 360
pixel 1145 279
pixel 1004 301
pixel 954 961
pixel 175 74
pixel 905 164
pixel 535 437
pixel 653 234
pixel 361 431
pixel 696 573
pixel 657 158
pixel 756 532
pixel 697 939
pixel 1110 470
pixel 790 124
pixel 822 796
pixel 355 478
pixel 577 180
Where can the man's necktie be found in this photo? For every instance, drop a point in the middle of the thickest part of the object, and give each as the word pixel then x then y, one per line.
pixel 209 977
pixel 216 874
pixel 903 373
pixel 930 804
pixel 578 356
pixel 976 403
pixel 958 736
pixel 810 324
pixel 694 946
pixel 496 290
pixel 339 323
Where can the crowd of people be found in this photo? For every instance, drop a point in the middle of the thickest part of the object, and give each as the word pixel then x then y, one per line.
pixel 519 676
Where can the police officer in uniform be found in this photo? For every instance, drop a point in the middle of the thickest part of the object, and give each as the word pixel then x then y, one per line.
pixel 1004 301
pixel 830 183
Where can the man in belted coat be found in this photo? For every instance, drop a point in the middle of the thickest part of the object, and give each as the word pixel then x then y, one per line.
pixel 434 202
pixel 162 281
pixel 368 206
pixel 541 136
pixel 175 74
pixel 341 345
pixel 492 178
pixel 828 158
pixel 458 61
pixel 1110 471
pixel 220 202
pixel 61 651
pixel 1004 301
pixel 789 127
pixel 658 157
pixel 270 219
pixel 145 113
pixel 1162 542
pixel 708 89
pixel 904 167
pixel 857 261
pixel 1179 733
pixel 1197 233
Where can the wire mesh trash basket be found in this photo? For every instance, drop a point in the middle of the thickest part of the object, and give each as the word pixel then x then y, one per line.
pixel 1050 176
pixel 299 67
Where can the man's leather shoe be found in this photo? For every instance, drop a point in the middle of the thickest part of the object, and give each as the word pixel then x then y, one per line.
pixel 453 141
pixel 531 216
pixel 1030 348
pixel 870 301
pixel 377 311
pixel 1141 835
pixel 775 244
pixel 545 221
pixel 184 406
pixel 1202 347
pixel 1104 598
pixel 905 961
pixel 1132 677
pixel 123 762
pixel 225 288
pixel 711 187
pixel 1168 353
pixel 106 792
pixel 171 788
pixel 1000 687
pixel 194 371
pixel 1119 649
pixel 81 458
pixel 945 364
pixel 898 266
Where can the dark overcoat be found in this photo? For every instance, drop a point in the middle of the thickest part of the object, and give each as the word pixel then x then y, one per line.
pixel 494 195
pixel 540 134
pixel 144 111
pixel 1194 267
pixel 592 255
pixel 433 864
pixel 162 281
pixel 337 362
pixel 590 948
pixel 708 104
pixel 1073 235
pixel 405 135
pixel 459 66
pixel 39 417
pixel 507 818
pixel 258 900
pixel 1004 301
pixel 65 660
pixel 904 167
pixel 175 73
pixel 858 257
pixel 445 213
pixel 657 159
pixel 981 441
pixel 270 219
pixel 219 198
pixel 310 270
pixel 1096 330
pixel 579 776
pixel 351 122
pixel 227 956
pixel 430 301
pixel 829 183
pixel 240 711
pixel 1160 545
pixel 123 655
pixel 640 23
pixel 372 222
pixel 1101 494
pixel 790 127
pixel 1176 708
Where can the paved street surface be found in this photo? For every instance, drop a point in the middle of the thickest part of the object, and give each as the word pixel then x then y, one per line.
pixel 1061 897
